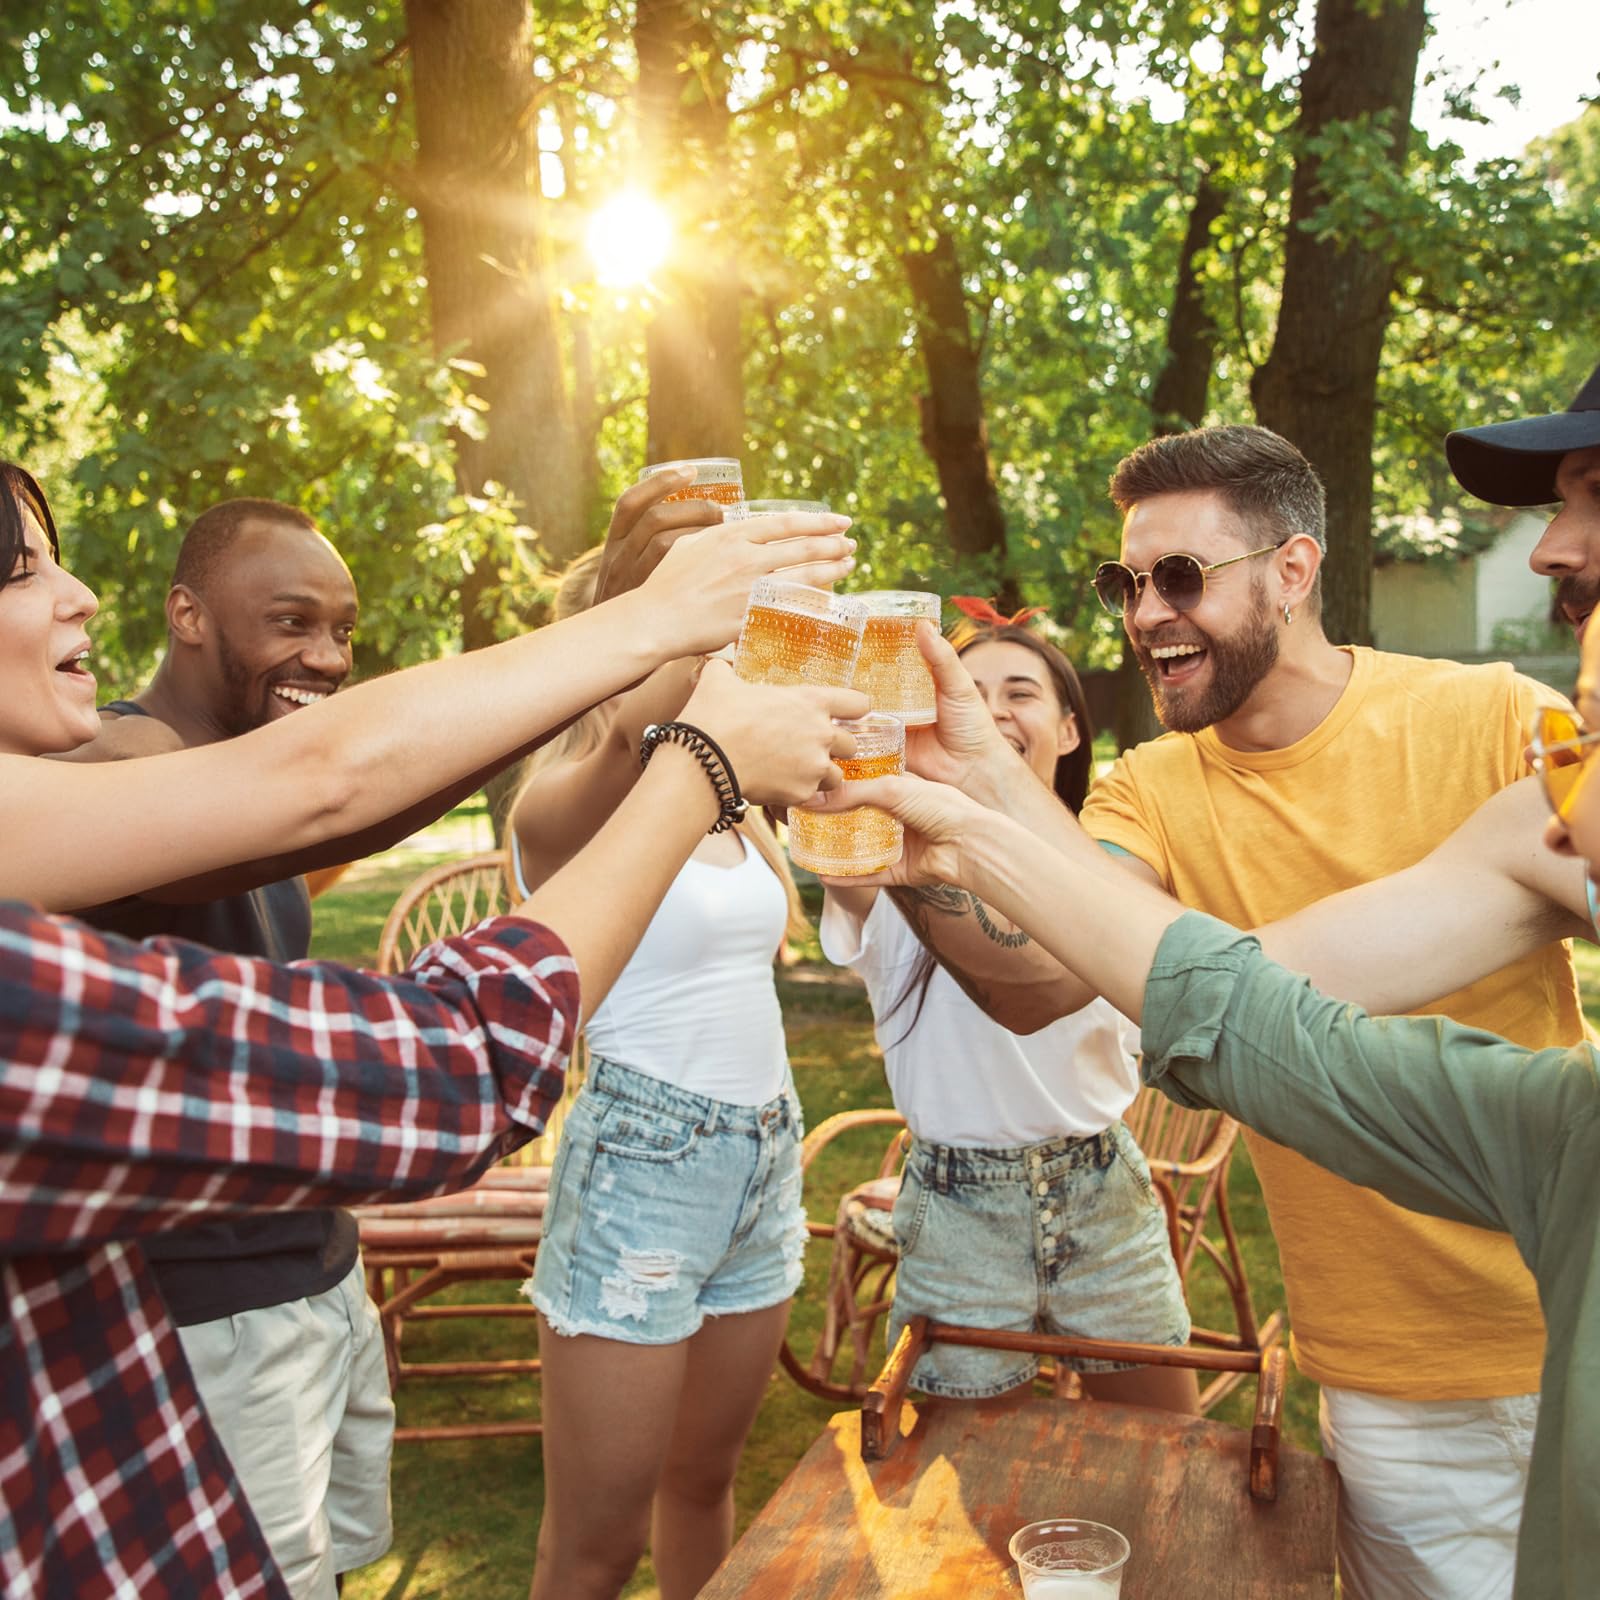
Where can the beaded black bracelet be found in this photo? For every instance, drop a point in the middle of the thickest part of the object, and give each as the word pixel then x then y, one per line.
pixel 708 753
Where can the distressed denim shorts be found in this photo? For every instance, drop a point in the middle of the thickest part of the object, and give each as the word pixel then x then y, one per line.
pixel 667 1207
pixel 1065 1237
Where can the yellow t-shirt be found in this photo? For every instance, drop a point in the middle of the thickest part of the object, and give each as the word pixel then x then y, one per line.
pixel 1381 1299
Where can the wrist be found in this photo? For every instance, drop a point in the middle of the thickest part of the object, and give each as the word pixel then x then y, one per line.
pixel 992 776
pixel 679 789
pixel 710 757
pixel 989 859
pixel 647 630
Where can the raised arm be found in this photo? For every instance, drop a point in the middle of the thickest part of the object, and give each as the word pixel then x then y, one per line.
pixel 376 756
pixel 563 803
pixel 780 741
pixel 1489 895
pixel 998 966
pixel 1438 1117
pixel 119 1114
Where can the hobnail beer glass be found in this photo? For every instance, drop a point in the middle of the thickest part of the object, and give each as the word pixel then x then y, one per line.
pixel 793 633
pixel 890 669
pixel 762 508
pixel 716 478
pixel 863 839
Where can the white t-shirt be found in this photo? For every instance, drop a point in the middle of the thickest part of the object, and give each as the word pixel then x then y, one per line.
pixel 958 1077
pixel 696 1005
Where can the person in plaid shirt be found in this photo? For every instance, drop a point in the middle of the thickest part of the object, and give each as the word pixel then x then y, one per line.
pixel 144 1086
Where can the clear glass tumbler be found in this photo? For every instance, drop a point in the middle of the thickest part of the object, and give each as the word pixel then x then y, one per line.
pixel 761 508
pixel 890 668
pixel 793 633
pixel 716 478
pixel 864 839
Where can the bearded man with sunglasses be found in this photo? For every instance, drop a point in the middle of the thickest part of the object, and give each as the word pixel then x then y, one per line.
pixel 1296 768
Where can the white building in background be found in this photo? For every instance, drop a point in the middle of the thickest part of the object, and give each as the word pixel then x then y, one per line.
pixel 1486 606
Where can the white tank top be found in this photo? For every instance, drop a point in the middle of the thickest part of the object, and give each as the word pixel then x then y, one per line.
pixel 957 1076
pixel 696 1004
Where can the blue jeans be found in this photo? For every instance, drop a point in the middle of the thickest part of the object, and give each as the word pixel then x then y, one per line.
pixel 667 1207
pixel 1067 1237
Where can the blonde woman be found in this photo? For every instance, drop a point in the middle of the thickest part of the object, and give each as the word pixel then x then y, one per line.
pixel 672 1244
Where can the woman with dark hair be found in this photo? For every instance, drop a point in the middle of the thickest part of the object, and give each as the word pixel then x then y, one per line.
pixel 1025 1203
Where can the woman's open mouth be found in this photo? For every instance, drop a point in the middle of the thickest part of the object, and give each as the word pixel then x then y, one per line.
pixel 77 666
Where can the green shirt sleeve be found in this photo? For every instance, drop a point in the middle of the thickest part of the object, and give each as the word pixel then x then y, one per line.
pixel 1437 1117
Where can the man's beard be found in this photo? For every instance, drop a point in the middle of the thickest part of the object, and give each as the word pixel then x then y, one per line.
pixel 236 713
pixel 1237 663
pixel 1573 595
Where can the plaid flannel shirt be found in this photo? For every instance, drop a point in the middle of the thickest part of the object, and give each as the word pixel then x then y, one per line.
pixel 145 1086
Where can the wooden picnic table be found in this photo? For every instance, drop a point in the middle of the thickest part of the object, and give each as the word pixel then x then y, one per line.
pixel 934 1519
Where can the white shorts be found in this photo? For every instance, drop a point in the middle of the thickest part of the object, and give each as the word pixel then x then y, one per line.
pixel 1430 1493
pixel 299 1396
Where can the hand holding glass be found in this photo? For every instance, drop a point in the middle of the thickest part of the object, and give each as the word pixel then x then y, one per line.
pixel 847 844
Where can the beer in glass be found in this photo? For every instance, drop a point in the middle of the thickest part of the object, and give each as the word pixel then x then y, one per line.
pixel 793 633
pixel 863 839
pixel 890 668
pixel 716 478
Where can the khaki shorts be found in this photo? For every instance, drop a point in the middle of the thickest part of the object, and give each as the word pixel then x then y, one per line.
pixel 299 1396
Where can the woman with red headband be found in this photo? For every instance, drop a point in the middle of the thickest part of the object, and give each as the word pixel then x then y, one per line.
pixel 1025 1203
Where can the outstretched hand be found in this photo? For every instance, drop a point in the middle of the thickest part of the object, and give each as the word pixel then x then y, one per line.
pixel 939 820
pixel 644 526
pixel 701 586
pixel 963 748
pixel 782 740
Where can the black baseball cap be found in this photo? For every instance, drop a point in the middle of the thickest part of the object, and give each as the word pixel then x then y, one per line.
pixel 1514 463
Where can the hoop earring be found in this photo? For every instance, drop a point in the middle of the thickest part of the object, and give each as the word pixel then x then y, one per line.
pixel 1287 617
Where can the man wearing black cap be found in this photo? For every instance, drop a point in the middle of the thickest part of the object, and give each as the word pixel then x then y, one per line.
pixel 1535 461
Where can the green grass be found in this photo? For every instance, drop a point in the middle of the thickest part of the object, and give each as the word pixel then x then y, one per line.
pixel 466 1514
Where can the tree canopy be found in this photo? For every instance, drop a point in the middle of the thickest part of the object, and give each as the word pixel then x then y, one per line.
pixel 931 263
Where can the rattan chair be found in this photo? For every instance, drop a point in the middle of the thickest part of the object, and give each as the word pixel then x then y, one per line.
pixel 1189 1153
pixel 487 1232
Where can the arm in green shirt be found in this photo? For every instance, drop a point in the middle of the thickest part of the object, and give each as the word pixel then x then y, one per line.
pixel 1437 1117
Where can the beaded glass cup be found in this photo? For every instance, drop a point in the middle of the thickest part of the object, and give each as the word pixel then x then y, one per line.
pixel 793 633
pixel 864 839
pixel 716 478
pixel 890 669
pixel 761 508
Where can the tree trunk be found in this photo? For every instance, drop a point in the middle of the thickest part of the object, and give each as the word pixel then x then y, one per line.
pixel 1178 402
pixel 1319 386
pixel 1179 399
pixel 692 345
pixel 955 432
pixel 489 284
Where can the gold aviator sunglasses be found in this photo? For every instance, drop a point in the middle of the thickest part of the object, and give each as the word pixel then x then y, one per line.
pixel 1563 755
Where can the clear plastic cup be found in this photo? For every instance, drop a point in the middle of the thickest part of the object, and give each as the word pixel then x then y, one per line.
pixel 890 669
pixel 716 478
pixel 1068 1559
pixel 864 839
pixel 793 633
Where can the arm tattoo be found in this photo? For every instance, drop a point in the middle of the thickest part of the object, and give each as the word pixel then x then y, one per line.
pixel 950 901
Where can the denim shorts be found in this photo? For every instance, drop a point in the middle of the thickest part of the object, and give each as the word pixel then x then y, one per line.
pixel 1065 1237
pixel 667 1207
